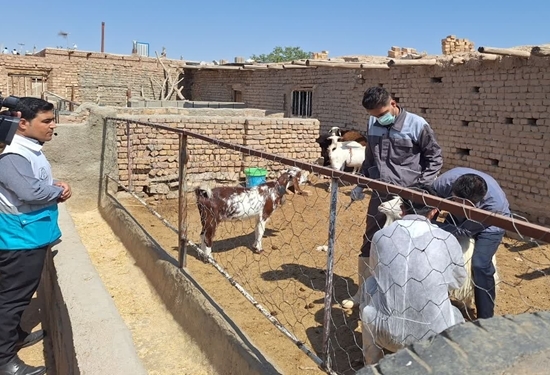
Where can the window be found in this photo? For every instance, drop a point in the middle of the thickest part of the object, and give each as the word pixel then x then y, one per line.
pixel 302 103
pixel 237 96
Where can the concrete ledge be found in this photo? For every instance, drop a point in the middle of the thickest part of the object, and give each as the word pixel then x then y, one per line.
pixel 227 348
pixel 87 333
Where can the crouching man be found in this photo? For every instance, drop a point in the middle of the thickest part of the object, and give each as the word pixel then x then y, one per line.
pixel 414 265
pixel 484 192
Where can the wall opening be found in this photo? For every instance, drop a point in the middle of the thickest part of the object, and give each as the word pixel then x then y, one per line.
pixel 395 97
pixel 532 121
pixel 237 96
pixel 508 120
pixel 463 151
pixel 465 123
pixel 302 105
pixel 476 89
pixel 436 79
pixel 494 162
pixel 423 110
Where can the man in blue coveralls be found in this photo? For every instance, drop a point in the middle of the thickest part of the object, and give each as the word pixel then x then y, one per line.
pixel 485 193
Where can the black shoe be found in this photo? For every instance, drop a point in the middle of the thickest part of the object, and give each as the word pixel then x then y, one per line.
pixel 17 367
pixel 29 339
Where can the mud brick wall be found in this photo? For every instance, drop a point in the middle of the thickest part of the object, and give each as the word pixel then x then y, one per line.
pixel 95 77
pixel 488 115
pixel 155 153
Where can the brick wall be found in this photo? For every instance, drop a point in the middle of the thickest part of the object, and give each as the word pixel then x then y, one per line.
pixel 155 152
pixel 96 77
pixel 488 115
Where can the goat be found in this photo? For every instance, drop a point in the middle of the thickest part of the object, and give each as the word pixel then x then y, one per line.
pixel 465 294
pixel 350 154
pixel 343 135
pixel 348 135
pixel 238 203
pixel 299 177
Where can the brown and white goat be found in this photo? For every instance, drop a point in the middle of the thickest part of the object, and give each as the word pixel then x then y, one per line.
pixel 227 203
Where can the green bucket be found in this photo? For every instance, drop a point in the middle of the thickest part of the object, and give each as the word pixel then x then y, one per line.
pixel 255 176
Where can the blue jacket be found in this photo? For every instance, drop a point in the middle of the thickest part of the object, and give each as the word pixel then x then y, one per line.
pixel 495 200
pixel 28 198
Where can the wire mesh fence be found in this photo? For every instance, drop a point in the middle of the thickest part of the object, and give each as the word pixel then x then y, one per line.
pixel 297 260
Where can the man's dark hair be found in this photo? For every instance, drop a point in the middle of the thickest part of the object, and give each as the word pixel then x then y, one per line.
pixel 470 186
pixel 376 97
pixel 414 208
pixel 30 107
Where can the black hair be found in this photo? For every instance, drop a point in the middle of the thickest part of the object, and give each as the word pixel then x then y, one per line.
pixel 30 107
pixel 471 187
pixel 414 208
pixel 376 97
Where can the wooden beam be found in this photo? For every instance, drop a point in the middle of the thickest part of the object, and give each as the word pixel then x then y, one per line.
pixel 275 66
pixel 211 67
pixel 406 62
pixel 541 51
pixel 329 64
pixel 253 67
pixel 374 66
pixel 288 66
pixel 458 60
pixel 504 51
pixel 298 62
pixel 488 57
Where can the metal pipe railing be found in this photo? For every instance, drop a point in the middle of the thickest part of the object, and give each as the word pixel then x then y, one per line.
pixel 526 229
pixel 509 223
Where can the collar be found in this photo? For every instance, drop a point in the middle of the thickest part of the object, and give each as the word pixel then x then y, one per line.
pixel 399 120
pixel 30 143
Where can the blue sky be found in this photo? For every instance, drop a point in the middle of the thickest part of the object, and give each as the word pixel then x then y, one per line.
pixel 222 29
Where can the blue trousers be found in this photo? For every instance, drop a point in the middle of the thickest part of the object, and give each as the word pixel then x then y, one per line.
pixel 486 246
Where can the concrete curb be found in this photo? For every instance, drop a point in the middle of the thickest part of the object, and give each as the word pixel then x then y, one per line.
pixel 87 333
pixel 227 348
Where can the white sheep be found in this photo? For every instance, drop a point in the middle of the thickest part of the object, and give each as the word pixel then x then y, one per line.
pixel 465 294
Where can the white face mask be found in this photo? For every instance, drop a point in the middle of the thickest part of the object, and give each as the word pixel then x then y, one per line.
pixel 386 119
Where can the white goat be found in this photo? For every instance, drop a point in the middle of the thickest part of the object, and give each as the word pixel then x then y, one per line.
pixel 465 294
pixel 349 153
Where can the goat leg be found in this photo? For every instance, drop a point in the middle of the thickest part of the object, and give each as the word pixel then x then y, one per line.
pixel 296 184
pixel 207 237
pixel 259 232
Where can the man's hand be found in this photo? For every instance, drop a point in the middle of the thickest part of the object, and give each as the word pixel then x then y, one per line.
pixel 357 193
pixel 66 191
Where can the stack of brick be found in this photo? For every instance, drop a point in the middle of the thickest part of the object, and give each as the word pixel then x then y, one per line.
pixel 451 44
pixel 399 52
pixel 323 55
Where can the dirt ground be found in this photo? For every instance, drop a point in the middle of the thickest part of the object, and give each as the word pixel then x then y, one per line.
pixel 163 347
pixel 288 278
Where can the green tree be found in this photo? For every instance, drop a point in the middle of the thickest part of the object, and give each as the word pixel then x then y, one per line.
pixel 280 54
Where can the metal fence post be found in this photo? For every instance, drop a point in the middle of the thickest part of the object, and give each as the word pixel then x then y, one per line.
pixel 182 202
pixel 327 317
pixel 129 155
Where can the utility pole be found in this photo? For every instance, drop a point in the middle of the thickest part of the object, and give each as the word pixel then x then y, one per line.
pixel 102 37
